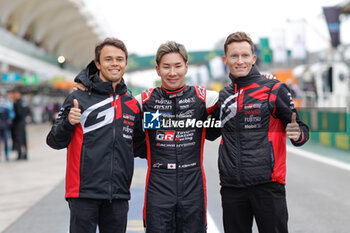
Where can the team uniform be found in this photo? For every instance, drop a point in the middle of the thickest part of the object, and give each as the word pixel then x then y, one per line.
pixel 100 154
pixel 175 198
pixel 254 112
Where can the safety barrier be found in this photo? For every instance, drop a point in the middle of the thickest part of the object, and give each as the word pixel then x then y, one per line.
pixel 328 126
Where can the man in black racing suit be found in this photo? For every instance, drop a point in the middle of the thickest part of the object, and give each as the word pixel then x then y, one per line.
pixel 175 117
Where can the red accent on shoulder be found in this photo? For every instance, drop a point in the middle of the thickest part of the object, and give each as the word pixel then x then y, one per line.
pixel 260 94
pixel 251 86
pixel 273 97
pixel 276 86
pixel 73 163
pixel 132 104
pixel 146 95
pixel 201 92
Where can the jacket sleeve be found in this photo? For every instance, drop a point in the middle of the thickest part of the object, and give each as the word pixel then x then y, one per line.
pixel 284 109
pixel 213 133
pixel 139 138
pixel 61 132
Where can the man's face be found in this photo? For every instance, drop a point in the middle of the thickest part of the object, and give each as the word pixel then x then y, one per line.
pixel 239 58
pixel 172 70
pixel 112 64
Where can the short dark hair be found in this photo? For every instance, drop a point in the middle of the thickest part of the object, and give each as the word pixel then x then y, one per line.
pixel 171 47
pixel 238 37
pixel 110 41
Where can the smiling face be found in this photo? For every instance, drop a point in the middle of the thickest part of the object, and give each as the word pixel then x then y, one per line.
pixel 239 58
pixel 112 64
pixel 172 69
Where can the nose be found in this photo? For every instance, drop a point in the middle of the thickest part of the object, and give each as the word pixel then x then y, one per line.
pixel 172 71
pixel 114 62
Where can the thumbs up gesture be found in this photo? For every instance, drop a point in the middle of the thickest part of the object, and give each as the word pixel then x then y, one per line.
pixel 74 113
pixel 293 129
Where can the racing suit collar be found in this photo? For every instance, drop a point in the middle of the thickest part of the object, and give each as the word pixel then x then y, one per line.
pixel 246 80
pixel 173 94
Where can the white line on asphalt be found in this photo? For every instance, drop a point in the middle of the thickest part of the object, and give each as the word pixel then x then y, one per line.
pixel 319 158
pixel 212 228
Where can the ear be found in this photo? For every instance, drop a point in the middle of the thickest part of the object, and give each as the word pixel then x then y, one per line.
pixel 224 59
pixel 186 67
pixel 98 65
pixel 254 58
pixel 158 71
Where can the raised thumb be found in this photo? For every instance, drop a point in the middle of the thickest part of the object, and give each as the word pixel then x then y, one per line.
pixel 294 118
pixel 76 103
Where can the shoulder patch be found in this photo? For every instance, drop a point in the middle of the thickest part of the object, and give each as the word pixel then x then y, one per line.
pixel 201 92
pixel 146 95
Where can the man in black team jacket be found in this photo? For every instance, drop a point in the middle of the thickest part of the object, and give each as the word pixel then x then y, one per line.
pixel 102 130
pixel 257 115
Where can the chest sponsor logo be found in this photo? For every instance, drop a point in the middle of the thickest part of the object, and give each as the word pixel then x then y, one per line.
pixel 163 101
pixel 187 100
pixel 128 117
pixel 251 106
pixel 163 107
pixel 165 135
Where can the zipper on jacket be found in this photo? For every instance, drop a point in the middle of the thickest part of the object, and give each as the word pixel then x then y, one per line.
pixel 112 158
pixel 239 162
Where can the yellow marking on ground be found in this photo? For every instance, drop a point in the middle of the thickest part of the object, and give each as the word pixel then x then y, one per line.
pixel 135 225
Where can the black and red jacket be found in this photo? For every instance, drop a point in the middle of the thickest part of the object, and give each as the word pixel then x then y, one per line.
pixel 101 148
pixel 254 112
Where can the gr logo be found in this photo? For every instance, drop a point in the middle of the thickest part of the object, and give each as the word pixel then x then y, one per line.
pixel 165 135
pixel 151 120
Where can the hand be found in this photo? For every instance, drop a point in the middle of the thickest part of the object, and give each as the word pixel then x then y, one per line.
pixel 293 129
pixel 268 76
pixel 81 87
pixel 74 113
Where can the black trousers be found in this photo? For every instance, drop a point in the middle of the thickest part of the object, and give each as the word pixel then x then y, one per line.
pixel 266 203
pixel 86 214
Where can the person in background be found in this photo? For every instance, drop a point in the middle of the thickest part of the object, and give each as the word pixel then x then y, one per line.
pixel 6 115
pixel 257 115
pixel 18 125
